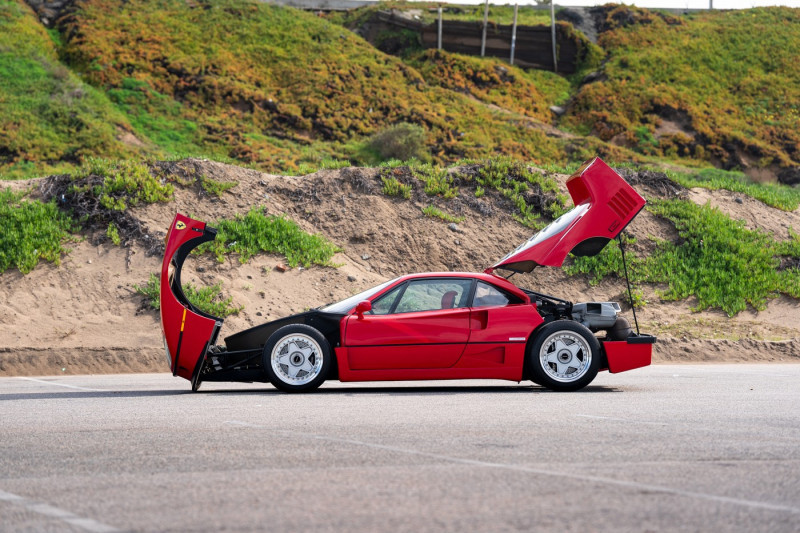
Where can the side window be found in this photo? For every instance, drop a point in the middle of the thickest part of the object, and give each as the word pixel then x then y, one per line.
pixel 384 304
pixel 486 295
pixel 432 294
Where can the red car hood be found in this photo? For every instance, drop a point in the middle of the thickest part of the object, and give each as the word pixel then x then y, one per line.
pixel 604 205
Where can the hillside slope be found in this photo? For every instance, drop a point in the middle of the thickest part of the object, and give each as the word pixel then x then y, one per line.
pixel 284 90
pixel 717 86
pixel 271 86
pixel 49 118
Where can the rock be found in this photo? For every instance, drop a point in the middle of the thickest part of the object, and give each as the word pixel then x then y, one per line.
pixel 452 226
pixel 259 314
pixel 738 200
pixel 351 278
pixel 365 257
pixel 201 269
pixel 458 242
pixel 558 110
pixel 281 268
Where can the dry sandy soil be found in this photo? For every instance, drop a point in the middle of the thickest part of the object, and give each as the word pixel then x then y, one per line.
pixel 85 316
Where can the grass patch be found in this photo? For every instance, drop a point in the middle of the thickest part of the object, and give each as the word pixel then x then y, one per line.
pixel 32 231
pixel 207 299
pixel 775 195
pixel 533 194
pixel 217 188
pixel 437 180
pixel 494 81
pixel 113 233
pixel 718 261
pixel 49 119
pixel 254 232
pixel 434 212
pixel 392 187
pixel 721 262
pixel 118 185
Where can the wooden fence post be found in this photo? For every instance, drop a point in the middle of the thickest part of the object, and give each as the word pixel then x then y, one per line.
pixel 553 34
pixel 485 22
pixel 513 35
pixel 439 40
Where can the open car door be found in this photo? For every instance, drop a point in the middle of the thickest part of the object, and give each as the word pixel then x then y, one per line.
pixel 188 332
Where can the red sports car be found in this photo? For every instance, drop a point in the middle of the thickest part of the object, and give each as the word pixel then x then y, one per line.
pixel 443 325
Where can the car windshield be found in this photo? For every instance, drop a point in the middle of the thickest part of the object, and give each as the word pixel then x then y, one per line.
pixel 346 305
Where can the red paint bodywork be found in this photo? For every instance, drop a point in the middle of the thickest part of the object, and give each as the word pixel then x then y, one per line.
pixel 459 343
pixel 604 205
pixel 187 332
pixel 623 356
pixel 448 343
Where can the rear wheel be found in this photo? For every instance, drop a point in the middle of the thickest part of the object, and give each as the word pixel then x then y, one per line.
pixel 296 358
pixel 565 356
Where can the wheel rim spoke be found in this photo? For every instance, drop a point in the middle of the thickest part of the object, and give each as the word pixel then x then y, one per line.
pixel 296 359
pixel 565 356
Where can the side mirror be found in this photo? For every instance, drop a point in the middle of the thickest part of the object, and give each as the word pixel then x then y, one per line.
pixel 362 308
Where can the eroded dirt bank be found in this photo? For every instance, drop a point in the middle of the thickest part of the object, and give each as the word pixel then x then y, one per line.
pixel 85 317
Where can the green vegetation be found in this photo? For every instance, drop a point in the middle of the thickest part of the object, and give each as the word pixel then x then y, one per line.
pixel 49 119
pixel 775 195
pixel 254 232
pixel 272 86
pixel 493 81
pixel 32 230
pixel 532 193
pixel 719 86
pixel 207 299
pixel 721 262
pixel 717 260
pixel 438 181
pixel 402 141
pixel 113 233
pixel 120 184
pixel 217 188
pixel 434 212
pixel 392 187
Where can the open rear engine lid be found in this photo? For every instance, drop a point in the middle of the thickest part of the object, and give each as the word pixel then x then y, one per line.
pixel 604 205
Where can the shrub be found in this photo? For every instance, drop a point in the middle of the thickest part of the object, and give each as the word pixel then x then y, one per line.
pixel 31 230
pixel 402 141
pixel 254 232
pixel 207 299
pixel 392 187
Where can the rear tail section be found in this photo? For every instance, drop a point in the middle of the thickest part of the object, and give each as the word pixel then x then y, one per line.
pixel 188 332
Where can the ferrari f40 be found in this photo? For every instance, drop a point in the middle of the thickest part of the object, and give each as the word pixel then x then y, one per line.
pixel 430 326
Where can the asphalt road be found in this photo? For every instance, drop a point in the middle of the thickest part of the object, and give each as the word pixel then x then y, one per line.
pixel 666 448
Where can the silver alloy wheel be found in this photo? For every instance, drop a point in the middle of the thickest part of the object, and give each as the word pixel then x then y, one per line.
pixel 296 359
pixel 565 356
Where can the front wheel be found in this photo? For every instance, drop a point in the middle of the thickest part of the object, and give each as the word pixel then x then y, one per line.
pixel 565 356
pixel 296 358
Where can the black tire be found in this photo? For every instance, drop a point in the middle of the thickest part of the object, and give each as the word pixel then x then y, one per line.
pixel 300 350
pixel 562 346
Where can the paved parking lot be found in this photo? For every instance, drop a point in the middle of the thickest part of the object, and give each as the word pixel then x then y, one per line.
pixel 666 448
